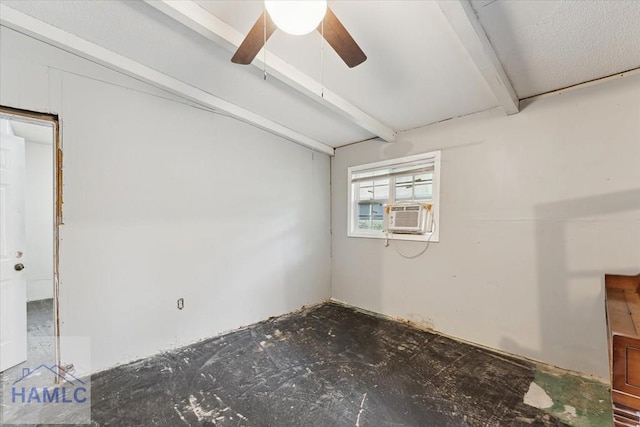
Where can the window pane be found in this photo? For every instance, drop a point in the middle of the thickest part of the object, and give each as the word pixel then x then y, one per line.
pixel 381 192
pixel 376 184
pixel 366 194
pixel 377 211
pixel 423 191
pixel 377 217
pixel 364 216
pixel 364 225
pixel 427 177
pixel 366 190
pixel 403 192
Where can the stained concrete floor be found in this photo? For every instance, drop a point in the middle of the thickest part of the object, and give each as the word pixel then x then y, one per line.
pixel 329 365
pixel 40 347
pixel 40 342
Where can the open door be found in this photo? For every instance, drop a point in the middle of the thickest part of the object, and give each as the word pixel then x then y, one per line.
pixel 13 289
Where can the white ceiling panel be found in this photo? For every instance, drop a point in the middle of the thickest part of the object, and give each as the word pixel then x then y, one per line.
pixel 137 31
pixel 418 71
pixel 548 45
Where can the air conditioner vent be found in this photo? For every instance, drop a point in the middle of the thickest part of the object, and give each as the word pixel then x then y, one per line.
pixel 408 217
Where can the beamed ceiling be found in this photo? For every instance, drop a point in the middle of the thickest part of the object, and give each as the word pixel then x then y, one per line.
pixel 428 61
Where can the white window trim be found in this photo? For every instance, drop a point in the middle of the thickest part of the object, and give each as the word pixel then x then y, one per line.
pixel 351 210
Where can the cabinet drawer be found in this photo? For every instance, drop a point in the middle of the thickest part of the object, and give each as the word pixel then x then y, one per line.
pixel 626 370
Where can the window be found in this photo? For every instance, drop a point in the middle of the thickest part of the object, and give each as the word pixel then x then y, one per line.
pixel 374 185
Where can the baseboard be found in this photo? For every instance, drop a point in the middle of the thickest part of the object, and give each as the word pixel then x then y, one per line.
pixel 543 366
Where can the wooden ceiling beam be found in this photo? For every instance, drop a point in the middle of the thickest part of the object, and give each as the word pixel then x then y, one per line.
pixel 465 24
pixel 54 36
pixel 193 16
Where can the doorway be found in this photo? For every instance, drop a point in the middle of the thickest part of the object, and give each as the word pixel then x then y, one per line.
pixel 30 216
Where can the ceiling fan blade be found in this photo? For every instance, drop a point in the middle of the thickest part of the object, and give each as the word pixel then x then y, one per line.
pixel 254 40
pixel 341 41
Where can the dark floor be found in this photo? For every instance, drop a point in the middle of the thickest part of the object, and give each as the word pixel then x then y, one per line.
pixel 40 347
pixel 40 342
pixel 325 366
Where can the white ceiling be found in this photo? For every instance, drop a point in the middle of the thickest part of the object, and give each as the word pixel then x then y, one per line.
pixel 418 71
pixel 549 45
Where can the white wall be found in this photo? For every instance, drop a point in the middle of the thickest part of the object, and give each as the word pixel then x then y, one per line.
pixel 39 220
pixel 165 201
pixel 536 208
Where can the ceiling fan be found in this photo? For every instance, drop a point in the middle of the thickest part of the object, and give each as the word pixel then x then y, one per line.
pixel 299 17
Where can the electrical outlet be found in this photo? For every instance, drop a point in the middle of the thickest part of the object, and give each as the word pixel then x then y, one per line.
pixel 180 303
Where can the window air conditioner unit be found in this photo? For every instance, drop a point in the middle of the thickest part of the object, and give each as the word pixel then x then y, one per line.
pixel 408 218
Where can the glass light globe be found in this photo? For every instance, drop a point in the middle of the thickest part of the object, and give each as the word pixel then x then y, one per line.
pixel 296 16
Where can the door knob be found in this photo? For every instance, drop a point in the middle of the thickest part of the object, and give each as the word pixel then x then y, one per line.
pixel 19 267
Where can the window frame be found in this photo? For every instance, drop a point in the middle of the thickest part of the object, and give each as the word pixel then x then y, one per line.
pixel 353 199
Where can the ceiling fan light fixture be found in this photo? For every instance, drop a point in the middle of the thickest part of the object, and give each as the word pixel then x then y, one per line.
pixel 296 17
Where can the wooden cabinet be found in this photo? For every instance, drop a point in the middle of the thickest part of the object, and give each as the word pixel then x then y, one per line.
pixel 623 321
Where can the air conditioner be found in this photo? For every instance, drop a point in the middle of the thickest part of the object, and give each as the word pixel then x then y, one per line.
pixel 408 218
